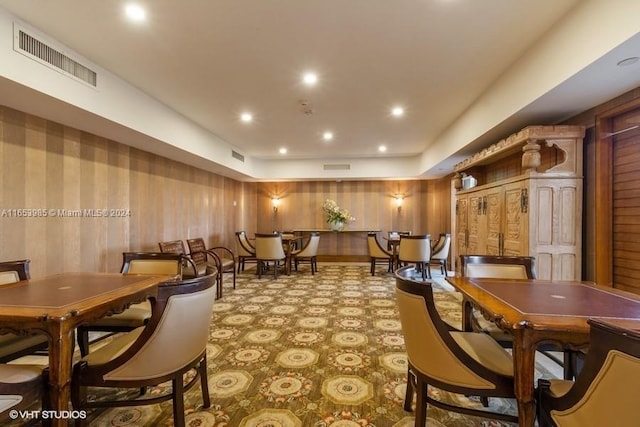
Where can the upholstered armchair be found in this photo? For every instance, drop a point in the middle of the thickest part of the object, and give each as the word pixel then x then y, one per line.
pixel 13 346
pixel 244 249
pixel 467 363
pixel 227 262
pixel 138 314
pixel 440 253
pixel 416 250
pixel 20 387
pixel 605 393
pixel 172 343
pixel 308 253
pixel 269 248
pixel 377 253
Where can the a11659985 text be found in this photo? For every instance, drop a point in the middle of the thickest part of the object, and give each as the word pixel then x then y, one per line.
pixel 64 213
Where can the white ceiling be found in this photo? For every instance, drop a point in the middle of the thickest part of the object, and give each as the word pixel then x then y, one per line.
pixel 209 60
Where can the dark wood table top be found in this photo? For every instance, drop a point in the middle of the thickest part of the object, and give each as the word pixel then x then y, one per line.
pixel 544 303
pixel 62 294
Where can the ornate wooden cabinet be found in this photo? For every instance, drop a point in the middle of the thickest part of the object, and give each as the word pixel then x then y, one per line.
pixel 528 200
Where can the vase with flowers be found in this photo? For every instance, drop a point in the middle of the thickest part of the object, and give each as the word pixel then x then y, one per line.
pixel 336 216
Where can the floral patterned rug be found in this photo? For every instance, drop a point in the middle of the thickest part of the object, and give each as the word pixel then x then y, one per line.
pixel 305 351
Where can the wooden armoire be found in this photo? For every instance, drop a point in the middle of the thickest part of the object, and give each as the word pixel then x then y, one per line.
pixel 527 200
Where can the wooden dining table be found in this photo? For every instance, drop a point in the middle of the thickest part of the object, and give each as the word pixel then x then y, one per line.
pixel 541 311
pixel 56 305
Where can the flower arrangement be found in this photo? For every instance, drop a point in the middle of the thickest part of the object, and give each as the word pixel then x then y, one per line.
pixel 335 214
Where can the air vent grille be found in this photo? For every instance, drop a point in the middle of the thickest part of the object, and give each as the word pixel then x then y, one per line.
pixel 237 155
pixel 36 49
pixel 337 167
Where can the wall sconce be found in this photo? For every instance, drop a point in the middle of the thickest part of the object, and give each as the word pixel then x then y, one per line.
pixel 275 202
pixel 399 200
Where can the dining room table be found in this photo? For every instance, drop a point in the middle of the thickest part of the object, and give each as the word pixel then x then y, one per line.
pixel 537 312
pixel 56 305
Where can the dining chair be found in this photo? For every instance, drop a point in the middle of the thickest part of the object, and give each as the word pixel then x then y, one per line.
pixel 225 260
pixel 136 315
pixel 20 387
pixel 605 390
pixel 377 253
pixel 440 253
pixel 191 269
pixel 172 343
pixel 393 234
pixel 13 346
pixel 416 250
pixel 245 250
pixel 466 363
pixel 308 252
pixel 269 249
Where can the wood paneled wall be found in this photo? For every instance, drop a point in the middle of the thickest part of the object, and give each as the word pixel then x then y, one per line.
pixel 45 165
pixel 426 209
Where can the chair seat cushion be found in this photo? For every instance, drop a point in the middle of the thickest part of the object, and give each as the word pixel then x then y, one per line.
pixel 10 343
pixel 485 350
pixel 133 317
pixel 113 349
pixel 227 263
pixel 559 387
pixel 15 374
pixel 203 269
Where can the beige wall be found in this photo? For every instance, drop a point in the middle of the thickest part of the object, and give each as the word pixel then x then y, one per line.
pixel 45 165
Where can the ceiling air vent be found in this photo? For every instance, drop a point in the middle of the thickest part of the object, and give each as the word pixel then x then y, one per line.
pixel 237 155
pixel 35 49
pixel 337 167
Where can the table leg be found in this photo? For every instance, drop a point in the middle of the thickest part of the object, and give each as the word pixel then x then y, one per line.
pixel 61 343
pixel 524 351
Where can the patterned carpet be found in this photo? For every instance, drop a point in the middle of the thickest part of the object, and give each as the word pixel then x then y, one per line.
pixel 305 351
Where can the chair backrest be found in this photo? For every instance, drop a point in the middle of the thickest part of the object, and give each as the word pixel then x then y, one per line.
pixel 244 247
pixel 398 234
pixel 605 391
pixel 197 250
pixel 175 335
pixel 14 271
pixel 430 346
pixel 174 247
pixel 498 267
pixel 310 249
pixel 374 248
pixel 151 263
pixel 442 246
pixel 269 247
pixel 415 248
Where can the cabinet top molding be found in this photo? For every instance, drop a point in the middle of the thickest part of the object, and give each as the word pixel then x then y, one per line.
pixel 516 141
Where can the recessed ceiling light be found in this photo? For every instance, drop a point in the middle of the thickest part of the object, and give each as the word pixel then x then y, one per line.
pixel 283 150
pixel 382 148
pixel 627 61
pixel 246 117
pixel 327 136
pixel 310 78
pixel 135 12
pixel 397 111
